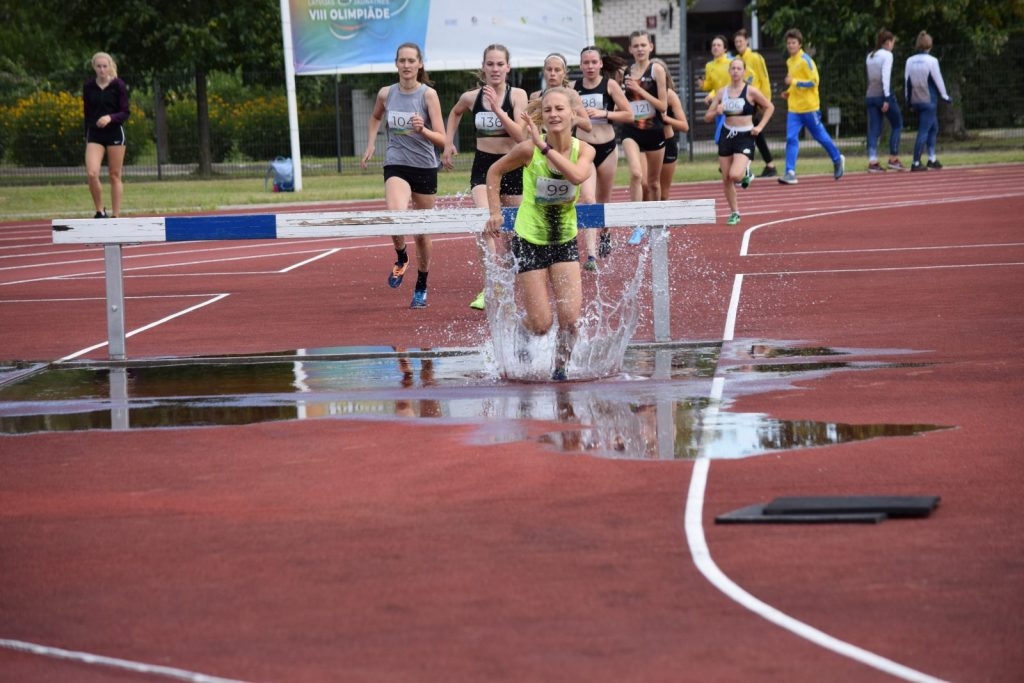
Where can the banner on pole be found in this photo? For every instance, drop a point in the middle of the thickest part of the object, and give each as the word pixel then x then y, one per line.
pixel 362 36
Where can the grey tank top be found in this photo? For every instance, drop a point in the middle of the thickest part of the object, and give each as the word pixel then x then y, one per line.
pixel 405 147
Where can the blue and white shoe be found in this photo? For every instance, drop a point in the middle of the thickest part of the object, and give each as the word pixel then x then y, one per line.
pixel 419 299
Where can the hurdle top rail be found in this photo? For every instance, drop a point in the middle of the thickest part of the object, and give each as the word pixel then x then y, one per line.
pixel 114 233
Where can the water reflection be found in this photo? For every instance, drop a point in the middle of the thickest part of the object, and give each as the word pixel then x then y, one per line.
pixel 657 407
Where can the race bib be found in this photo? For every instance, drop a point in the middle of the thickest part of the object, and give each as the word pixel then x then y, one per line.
pixel 552 191
pixel 592 101
pixel 642 109
pixel 400 122
pixel 488 123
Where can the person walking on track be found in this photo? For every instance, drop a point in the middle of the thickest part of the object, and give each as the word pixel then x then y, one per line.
pixel 801 94
pixel 105 102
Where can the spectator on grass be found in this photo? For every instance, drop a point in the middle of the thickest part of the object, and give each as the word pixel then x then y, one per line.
pixel 880 103
pixel 105 102
pixel 716 76
pixel 924 88
pixel 801 94
pixel 415 133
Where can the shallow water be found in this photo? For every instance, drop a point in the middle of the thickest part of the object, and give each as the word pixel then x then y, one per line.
pixel 655 407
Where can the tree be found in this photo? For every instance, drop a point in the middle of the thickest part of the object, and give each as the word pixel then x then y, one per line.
pixel 983 27
pixel 166 40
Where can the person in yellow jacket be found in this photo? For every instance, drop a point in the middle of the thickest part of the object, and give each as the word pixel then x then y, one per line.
pixel 716 76
pixel 801 93
pixel 757 76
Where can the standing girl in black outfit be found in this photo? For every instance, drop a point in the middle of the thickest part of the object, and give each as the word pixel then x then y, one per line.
pixel 105 101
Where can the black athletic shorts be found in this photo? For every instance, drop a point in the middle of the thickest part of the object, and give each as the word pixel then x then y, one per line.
pixel 421 180
pixel 530 256
pixel 648 139
pixel 111 136
pixel 511 182
pixel 732 142
pixel 671 149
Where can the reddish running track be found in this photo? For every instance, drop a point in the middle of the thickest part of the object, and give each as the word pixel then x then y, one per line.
pixel 337 550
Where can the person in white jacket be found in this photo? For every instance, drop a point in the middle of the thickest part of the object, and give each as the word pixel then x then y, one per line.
pixel 924 87
pixel 880 102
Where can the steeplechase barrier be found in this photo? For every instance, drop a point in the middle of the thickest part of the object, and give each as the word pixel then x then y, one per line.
pixel 115 233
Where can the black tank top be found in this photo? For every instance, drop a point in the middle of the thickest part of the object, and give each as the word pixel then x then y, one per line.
pixel 653 117
pixel 596 97
pixel 489 126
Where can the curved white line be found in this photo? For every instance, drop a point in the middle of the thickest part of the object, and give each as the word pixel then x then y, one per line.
pixel 124 664
pixel 694 527
pixel 745 245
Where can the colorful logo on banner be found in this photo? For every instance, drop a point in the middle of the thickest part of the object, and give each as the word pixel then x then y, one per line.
pixel 346 34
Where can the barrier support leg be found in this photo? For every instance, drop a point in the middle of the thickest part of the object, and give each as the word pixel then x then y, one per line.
pixel 115 301
pixel 660 283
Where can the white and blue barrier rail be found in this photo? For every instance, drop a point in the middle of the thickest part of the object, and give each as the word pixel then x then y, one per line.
pixel 112 233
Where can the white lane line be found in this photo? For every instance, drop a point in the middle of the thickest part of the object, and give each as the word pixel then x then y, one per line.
pixel 889 250
pixel 745 246
pixel 892 269
pixel 123 664
pixel 693 523
pixel 309 260
pixel 150 326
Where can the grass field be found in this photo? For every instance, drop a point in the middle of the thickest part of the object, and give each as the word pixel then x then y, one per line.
pixel 189 194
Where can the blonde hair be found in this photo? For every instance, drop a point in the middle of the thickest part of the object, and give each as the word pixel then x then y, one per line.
pixel 101 55
pixel 565 68
pixel 535 108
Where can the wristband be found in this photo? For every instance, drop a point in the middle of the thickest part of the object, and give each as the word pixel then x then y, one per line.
pixel 545 149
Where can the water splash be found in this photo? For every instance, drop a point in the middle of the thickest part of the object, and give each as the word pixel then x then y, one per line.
pixel 609 317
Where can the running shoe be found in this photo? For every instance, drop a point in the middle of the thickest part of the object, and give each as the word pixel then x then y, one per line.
pixel 895 165
pixel 397 273
pixel 769 172
pixel 788 179
pixel 604 249
pixel 935 164
pixel 916 167
pixel 478 302
pixel 839 167
pixel 875 167
pixel 591 265
pixel 419 299
pixel 747 179
pixel 101 214
pixel 734 218
pixel 559 375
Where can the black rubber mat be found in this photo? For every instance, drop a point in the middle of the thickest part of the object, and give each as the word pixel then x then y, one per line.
pixel 831 510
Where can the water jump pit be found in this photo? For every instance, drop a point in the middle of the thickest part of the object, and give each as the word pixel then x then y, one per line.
pixel 657 407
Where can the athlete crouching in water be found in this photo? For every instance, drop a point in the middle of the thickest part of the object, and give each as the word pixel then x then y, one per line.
pixel 544 244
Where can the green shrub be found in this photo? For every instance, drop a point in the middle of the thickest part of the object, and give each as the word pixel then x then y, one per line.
pixel 261 127
pixel 183 132
pixel 47 129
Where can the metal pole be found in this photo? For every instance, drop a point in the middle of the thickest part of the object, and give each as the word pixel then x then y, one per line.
pixel 115 301
pixel 660 283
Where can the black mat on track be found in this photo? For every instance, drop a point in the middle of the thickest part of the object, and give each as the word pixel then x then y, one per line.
pixel 831 510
